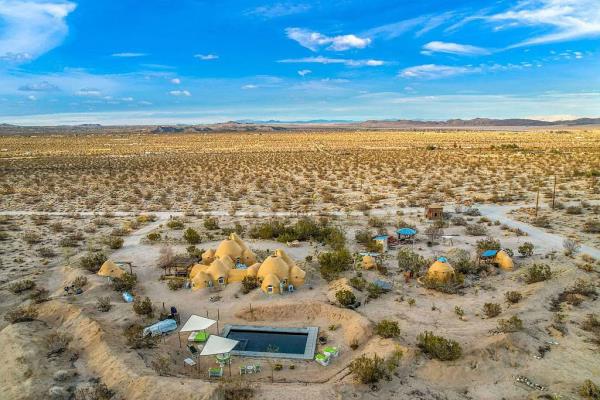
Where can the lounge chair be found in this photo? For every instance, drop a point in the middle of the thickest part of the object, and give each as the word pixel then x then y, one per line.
pixel 216 372
pixel 322 359
pixel 331 351
pixel 200 337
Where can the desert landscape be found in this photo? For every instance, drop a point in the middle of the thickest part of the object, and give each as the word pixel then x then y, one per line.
pixel 436 263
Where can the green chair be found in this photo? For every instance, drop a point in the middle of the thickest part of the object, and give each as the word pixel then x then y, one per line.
pixel 200 337
pixel 322 359
pixel 331 351
pixel 216 372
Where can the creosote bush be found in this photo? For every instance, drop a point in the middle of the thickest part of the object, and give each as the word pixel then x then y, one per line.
pixel 439 347
pixel 103 304
pixel 143 306
pixel 589 390
pixel 538 273
pixel 92 261
pixel 114 242
pixel 135 339
pixel 125 283
pixel 21 314
pixel 57 343
pixel 408 260
pixel 513 324
pixel 387 329
pixel 175 283
pixel 333 263
pixel 526 249
pixel 21 286
pixel 96 391
pixel 513 297
pixel 191 236
pixel 345 297
pixel 492 310
pixel 235 389
pixel 368 370
pixel 249 283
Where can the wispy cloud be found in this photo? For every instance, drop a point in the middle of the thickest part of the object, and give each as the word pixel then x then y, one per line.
pixel 180 93
pixel 249 87
pixel 129 55
pixel 327 60
pixel 304 72
pixel 567 19
pixel 453 48
pixel 433 71
pixel 422 24
pixel 315 40
pixel 279 10
pixel 206 57
pixel 176 81
pixel 88 92
pixel 44 86
pixel 30 28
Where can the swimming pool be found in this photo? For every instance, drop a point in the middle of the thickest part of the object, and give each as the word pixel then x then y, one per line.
pixel 267 341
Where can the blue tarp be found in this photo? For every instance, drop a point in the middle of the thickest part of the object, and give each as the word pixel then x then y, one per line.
pixel 383 284
pixel 128 297
pixel 406 232
pixel 443 259
pixel 489 253
pixel 161 327
pixel 381 237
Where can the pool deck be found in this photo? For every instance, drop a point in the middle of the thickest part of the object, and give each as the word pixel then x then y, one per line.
pixel 309 351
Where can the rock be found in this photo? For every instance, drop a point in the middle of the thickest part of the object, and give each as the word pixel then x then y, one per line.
pixel 58 392
pixel 62 375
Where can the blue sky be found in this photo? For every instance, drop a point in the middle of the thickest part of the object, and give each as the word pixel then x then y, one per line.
pixel 192 61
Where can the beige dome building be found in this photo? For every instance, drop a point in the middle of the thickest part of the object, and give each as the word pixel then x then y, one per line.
pixel 219 267
pixel 504 261
pixel 111 270
pixel 441 271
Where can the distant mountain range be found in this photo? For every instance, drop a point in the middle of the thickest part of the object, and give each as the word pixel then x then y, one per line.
pixel 277 125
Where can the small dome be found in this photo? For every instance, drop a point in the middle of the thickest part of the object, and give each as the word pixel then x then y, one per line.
pixel 368 262
pixel 270 280
pixel 197 269
pixel 253 270
pixel 441 270
pixel 504 261
pixel 110 269
pixel 208 256
pixel 200 280
pixel 274 265
pixel 217 270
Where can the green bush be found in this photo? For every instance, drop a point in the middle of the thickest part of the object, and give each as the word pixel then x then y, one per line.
pixel 21 314
pixel 303 230
pixel 332 263
pixel 249 283
pixel 526 249
pixel 374 291
pixel 175 283
pixel 439 347
pixel 476 230
pixel 115 242
pixel 103 304
pixel 488 243
pixel 93 261
pixel 368 370
pixel 191 236
pixel 39 295
pixel 358 283
pixel 345 297
pixel 538 273
pixel 408 260
pixel 125 283
pixel 513 324
pixel 513 297
pixel 21 286
pixel 153 237
pixel 387 329
pixel 135 339
pixel 589 390
pixel 492 310
pixel 175 224
pixel 97 391
pixel 211 223
pixel 143 306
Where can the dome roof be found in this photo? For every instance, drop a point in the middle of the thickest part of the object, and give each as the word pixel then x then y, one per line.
pixel 296 272
pixel 274 265
pixel 285 257
pixel 504 261
pixel 253 270
pixel 197 269
pixel 270 280
pixel 234 236
pixel 440 270
pixel 217 269
pixel 199 280
pixel 228 248
pixel 109 268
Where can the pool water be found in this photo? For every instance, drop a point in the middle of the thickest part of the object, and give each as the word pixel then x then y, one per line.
pixel 269 342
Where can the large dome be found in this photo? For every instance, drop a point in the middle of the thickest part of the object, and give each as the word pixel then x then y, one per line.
pixel 217 270
pixel 440 270
pixel 229 248
pixel 274 265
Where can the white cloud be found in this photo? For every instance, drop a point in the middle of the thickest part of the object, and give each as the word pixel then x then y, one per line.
pixel 453 48
pixel 129 55
pixel 176 81
pixel 250 87
pixel 433 71
pixel 31 97
pixel 314 40
pixel 88 92
pixel 180 93
pixel 279 10
pixel 304 72
pixel 327 60
pixel 206 57
pixel 30 29
pixel 44 86
pixel 567 19
pixel 127 99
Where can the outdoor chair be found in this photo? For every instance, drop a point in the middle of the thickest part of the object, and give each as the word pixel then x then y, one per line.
pixel 331 351
pixel 215 372
pixel 193 350
pixel 200 337
pixel 188 361
pixel 322 359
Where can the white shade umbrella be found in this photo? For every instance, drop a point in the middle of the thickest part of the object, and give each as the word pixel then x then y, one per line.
pixel 218 345
pixel 197 323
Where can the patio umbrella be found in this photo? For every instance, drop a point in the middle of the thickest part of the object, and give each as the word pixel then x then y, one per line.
pixel 196 323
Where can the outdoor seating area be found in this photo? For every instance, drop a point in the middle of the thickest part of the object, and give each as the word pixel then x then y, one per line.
pixel 250 369
pixel 328 353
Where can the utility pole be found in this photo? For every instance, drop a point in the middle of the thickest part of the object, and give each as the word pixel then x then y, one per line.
pixel 554 193
pixel 537 200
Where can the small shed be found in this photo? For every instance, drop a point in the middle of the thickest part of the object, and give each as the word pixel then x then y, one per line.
pixel 383 241
pixel 434 211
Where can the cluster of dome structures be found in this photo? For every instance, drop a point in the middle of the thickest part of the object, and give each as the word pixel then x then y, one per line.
pixel 233 261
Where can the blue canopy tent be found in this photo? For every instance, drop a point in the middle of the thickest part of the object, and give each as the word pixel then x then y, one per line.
pixel 489 254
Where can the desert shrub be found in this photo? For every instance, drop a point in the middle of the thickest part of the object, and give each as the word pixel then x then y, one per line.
pixel 103 304
pixel 136 340
pixel 235 389
pixel 591 323
pixel 162 365
pixel 492 310
pixel 589 390
pixel 538 273
pixel 39 295
pixel 358 283
pixel 387 329
pixel 46 252
pixel 461 260
pixel 80 281
pixel 408 260
pixel 31 237
pixel 249 283
pixel 526 249
pixel 472 212
pixel 541 222
pixel 175 283
pixel 458 221
pixel 488 243
pixel 333 263
pixel 57 343
pixel 96 391
pixel 513 324
pixel 459 311
pixel 363 236
pixel 438 347
pixel 153 237
pixel 574 210
pixel 125 283
pixel 191 236
pixel 303 230
pixel 475 230
pixel 175 224
pixel 114 242
pixel 513 297
pixel 21 286
pixel 592 226
pixel 21 314
pixel 143 306
pixel 93 261
pixel 211 223
pixel 368 369
pixel 374 291
pixel 450 286
pixel 375 222
pixel 68 242
pixel 571 247
pixel 345 297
